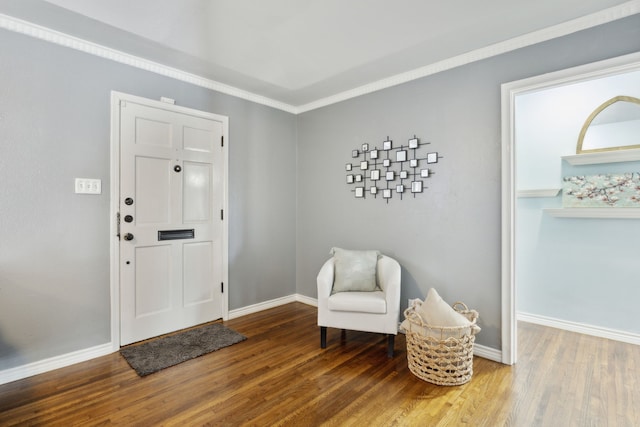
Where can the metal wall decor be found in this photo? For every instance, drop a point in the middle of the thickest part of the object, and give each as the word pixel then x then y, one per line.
pixel 387 170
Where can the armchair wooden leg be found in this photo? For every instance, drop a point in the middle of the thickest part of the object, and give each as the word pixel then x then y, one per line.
pixel 323 337
pixel 390 344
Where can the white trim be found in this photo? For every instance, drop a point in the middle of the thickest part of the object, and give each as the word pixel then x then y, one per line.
pixel 598 18
pixel 307 300
pixel 581 328
pixel 616 156
pixel 545 192
pixel 508 326
pixel 46 365
pixel 266 305
pixel 509 92
pixel 487 353
pixel 226 216
pixel 43 33
pixel 56 362
pixel 116 98
pixel 478 350
pixel 114 205
pixel 610 213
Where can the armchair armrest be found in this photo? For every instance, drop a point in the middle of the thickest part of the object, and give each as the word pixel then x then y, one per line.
pixel 325 279
pixel 389 279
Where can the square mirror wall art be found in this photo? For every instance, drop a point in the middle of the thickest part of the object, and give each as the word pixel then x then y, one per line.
pixel 387 169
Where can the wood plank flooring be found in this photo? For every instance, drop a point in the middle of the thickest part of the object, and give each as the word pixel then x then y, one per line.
pixel 281 377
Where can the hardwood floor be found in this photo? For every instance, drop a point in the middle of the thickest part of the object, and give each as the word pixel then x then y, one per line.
pixel 280 376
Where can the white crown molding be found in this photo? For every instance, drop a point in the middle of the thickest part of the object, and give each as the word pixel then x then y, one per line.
pixel 607 15
pixel 598 18
pixel 39 32
pixel 602 17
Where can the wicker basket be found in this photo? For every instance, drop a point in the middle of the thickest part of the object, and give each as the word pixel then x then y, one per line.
pixel 441 355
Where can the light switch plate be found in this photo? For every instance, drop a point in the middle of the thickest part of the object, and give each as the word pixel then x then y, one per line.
pixel 88 186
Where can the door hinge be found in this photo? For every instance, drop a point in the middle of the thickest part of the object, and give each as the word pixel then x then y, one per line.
pixel 118 225
pixel 222 141
pixel 222 287
pixel 221 214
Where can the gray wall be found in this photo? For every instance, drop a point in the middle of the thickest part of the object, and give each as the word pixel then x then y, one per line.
pixel 54 126
pixel 54 244
pixel 448 237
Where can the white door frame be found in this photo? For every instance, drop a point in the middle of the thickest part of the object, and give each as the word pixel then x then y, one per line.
pixel 116 98
pixel 509 93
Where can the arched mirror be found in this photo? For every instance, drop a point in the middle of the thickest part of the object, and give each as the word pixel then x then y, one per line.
pixel 614 125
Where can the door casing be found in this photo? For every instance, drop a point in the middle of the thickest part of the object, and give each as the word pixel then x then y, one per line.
pixel 509 169
pixel 116 98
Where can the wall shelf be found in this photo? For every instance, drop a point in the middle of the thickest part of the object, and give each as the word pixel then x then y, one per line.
pixel 544 192
pixel 603 157
pixel 612 213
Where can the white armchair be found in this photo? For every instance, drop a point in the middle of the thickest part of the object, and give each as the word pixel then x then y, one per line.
pixel 376 311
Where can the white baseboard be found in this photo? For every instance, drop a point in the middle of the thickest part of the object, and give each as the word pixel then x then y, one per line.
pixel 56 362
pixel 582 328
pixel 250 309
pixel 307 300
pixel 255 308
pixel 487 353
pixel 478 350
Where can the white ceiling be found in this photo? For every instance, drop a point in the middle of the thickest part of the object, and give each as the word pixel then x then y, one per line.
pixel 300 51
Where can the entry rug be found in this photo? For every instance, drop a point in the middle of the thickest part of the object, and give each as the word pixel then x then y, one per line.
pixel 171 350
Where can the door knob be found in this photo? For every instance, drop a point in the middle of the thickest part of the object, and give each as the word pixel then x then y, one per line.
pixel 128 236
pixel 128 218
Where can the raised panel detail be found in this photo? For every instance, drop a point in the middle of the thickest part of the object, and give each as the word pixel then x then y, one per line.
pixel 152 132
pixel 197 139
pixel 152 202
pixel 153 280
pixel 197 192
pixel 197 267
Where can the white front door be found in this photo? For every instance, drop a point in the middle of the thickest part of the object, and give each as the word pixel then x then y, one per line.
pixel 171 200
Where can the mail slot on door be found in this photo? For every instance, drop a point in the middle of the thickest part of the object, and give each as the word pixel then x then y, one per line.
pixel 176 234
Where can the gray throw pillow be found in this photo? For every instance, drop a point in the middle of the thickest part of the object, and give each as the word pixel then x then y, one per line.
pixel 354 270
